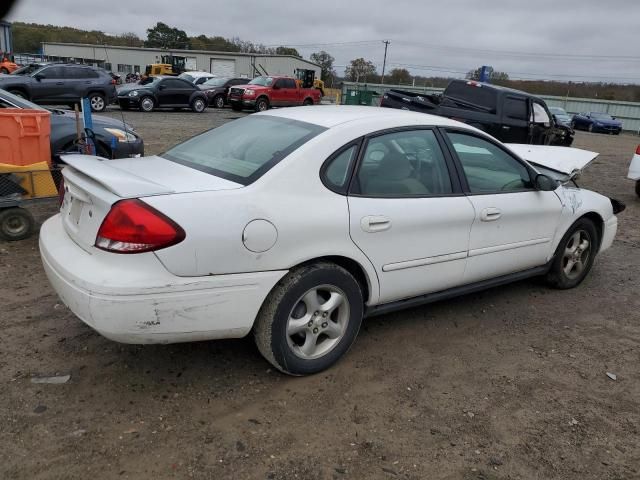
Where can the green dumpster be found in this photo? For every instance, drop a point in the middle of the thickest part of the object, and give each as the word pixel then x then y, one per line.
pixel 359 97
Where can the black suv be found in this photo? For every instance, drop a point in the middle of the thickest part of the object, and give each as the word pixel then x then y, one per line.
pixel 217 89
pixel 63 84
pixel 511 116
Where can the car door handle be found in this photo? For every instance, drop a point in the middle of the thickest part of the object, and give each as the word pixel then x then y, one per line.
pixel 375 223
pixel 490 214
pixel 59 83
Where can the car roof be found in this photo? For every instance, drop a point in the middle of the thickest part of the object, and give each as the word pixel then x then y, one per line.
pixel 197 74
pixel 329 116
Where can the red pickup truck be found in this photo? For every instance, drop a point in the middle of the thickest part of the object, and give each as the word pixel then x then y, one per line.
pixel 262 93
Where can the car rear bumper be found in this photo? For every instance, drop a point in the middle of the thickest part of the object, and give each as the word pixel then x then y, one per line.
pixel 134 299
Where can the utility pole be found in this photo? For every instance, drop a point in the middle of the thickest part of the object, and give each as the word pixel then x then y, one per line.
pixel 384 62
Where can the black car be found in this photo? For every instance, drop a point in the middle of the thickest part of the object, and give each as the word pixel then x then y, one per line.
pixel 114 139
pixel 510 115
pixel 63 84
pixel 217 89
pixel 162 92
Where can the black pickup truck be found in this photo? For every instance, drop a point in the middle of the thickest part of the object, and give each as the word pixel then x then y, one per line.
pixel 511 116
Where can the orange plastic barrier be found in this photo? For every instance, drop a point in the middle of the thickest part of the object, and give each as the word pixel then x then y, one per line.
pixel 24 136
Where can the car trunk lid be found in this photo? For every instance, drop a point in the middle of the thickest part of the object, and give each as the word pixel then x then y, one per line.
pixel 92 185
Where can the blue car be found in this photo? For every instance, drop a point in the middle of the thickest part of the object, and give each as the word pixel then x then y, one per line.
pixel 596 122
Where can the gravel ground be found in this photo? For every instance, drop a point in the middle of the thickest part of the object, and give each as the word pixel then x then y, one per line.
pixel 509 383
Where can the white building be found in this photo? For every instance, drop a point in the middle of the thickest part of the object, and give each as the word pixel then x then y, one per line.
pixel 125 60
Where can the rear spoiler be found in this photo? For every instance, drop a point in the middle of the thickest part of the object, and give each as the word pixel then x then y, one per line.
pixel 119 182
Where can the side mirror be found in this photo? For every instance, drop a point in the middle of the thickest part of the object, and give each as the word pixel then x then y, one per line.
pixel 38 76
pixel 545 183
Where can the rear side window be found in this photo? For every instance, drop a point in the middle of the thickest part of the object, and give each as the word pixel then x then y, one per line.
pixel 336 174
pixel 515 108
pixel 245 149
pixel 52 72
pixel 289 83
pixel 477 95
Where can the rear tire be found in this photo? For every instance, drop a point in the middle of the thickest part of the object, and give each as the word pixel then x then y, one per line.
pixel 638 188
pixel 574 256
pixel 16 224
pixel 310 319
pixel 19 93
pixel 307 102
pixel 97 102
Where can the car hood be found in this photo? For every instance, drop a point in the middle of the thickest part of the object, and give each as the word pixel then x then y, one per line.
pixel 605 121
pixel 98 120
pixel 147 176
pixel 561 159
pixel 252 87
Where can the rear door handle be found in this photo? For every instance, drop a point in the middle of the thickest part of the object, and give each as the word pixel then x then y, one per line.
pixel 490 214
pixel 375 223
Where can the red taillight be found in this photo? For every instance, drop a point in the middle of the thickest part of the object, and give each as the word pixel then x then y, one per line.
pixel 132 226
pixel 638 150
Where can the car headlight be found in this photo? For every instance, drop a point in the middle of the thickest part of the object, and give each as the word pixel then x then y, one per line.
pixel 249 92
pixel 133 93
pixel 121 135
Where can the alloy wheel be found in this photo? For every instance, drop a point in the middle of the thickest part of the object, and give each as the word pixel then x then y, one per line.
pixel 576 254
pixel 318 322
pixel 97 103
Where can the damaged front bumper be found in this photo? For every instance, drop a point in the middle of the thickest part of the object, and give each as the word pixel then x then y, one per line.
pixel 134 299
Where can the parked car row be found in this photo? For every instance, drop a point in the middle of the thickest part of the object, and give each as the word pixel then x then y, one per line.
pixel 64 134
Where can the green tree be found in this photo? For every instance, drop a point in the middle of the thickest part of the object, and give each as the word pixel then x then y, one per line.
pixel 287 51
pixel 325 61
pixel 164 36
pixel 493 74
pixel 359 70
pixel 399 75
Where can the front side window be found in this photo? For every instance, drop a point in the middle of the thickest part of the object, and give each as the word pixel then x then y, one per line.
pixel 539 114
pixel 487 167
pixel 51 72
pixel 407 163
pixel 243 150
pixel 515 108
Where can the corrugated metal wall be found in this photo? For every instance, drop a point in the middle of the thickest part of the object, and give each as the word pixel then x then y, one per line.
pixel 200 60
pixel 627 112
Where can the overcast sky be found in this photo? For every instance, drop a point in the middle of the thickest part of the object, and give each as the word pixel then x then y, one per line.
pixel 563 39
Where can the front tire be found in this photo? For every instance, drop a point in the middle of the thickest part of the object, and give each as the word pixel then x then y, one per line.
pixel 16 224
pixel 310 319
pixel 198 105
pixel 218 101
pixel 262 104
pixel 97 102
pixel 574 256
pixel 19 93
pixel 638 188
pixel 147 104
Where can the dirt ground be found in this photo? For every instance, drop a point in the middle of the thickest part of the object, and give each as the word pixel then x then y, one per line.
pixel 509 383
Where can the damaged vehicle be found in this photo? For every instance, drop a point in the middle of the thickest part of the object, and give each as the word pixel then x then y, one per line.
pixel 634 170
pixel 294 224
pixel 507 114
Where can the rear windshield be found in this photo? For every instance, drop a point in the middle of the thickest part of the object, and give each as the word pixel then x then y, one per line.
pixel 483 97
pixel 245 149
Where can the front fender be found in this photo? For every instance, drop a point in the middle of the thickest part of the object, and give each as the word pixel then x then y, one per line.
pixel 576 203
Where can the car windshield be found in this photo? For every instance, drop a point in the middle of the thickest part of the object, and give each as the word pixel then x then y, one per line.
pixel 149 80
pixel 9 100
pixel 602 116
pixel 557 111
pixel 264 81
pixel 215 82
pixel 243 150
pixel 186 76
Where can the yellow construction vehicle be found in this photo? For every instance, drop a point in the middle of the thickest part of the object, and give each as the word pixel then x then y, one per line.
pixel 170 65
pixel 307 79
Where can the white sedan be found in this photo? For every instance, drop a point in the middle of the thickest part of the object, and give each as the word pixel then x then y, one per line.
pixel 634 170
pixel 294 224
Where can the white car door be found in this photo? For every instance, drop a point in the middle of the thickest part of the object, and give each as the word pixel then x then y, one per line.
pixel 408 214
pixel 514 223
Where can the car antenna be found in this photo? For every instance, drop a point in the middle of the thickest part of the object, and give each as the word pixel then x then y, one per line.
pixel 124 124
